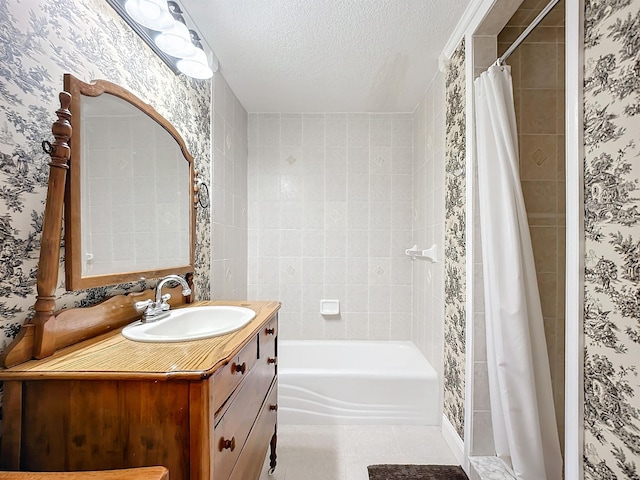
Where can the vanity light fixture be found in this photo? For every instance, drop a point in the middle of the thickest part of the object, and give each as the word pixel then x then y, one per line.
pixel 164 26
pixel 153 14
pixel 196 66
pixel 176 41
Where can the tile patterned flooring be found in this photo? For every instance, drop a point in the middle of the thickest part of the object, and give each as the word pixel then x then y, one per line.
pixel 342 452
pixel 489 468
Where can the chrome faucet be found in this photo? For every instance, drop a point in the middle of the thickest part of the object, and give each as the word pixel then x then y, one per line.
pixel 155 310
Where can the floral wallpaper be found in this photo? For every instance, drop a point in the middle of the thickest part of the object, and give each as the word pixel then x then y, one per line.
pixel 40 40
pixel 455 249
pixel 612 236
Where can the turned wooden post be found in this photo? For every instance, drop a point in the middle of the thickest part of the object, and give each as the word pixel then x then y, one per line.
pixel 48 267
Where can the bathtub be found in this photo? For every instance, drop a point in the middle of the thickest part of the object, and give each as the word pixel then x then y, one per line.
pixel 355 382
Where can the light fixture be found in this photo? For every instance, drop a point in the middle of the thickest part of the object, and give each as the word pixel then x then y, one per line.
pixel 196 66
pixel 176 41
pixel 163 26
pixel 153 14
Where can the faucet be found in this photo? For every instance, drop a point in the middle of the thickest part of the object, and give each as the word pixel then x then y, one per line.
pixel 155 310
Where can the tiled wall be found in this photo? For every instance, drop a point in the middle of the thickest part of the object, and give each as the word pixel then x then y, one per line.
pixel 330 216
pixel 537 69
pixel 428 223
pixel 229 193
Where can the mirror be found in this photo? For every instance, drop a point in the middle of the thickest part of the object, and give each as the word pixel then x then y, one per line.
pixel 129 209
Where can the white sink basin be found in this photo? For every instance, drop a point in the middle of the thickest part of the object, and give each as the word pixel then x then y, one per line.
pixel 194 323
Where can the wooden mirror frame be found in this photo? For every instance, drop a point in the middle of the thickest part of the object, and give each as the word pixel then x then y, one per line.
pixel 49 330
pixel 74 278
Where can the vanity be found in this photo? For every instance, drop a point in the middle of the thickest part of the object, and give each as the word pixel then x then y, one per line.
pixel 79 395
pixel 205 409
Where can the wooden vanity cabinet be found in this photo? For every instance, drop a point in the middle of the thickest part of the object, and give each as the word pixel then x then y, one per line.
pixel 217 427
pixel 235 431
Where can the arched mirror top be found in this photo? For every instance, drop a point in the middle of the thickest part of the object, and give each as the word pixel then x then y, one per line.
pixel 129 209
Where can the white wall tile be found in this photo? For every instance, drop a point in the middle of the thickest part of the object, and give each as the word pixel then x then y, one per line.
pixel 380 243
pixel 380 160
pixel 291 130
pixel 335 160
pixel 358 160
pixel 335 244
pixel 335 328
pixel 358 242
pixel 380 188
pixel 230 202
pixel 313 130
pixel 357 129
pixel 335 130
pixel 402 130
pixel 357 326
pixel 268 129
pixel 402 159
pixel 335 271
pixel 342 227
pixel 357 271
pixel 313 243
pixel 380 127
pixel 335 188
pixel 313 271
pixel 428 217
pixel 400 326
pixel 379 326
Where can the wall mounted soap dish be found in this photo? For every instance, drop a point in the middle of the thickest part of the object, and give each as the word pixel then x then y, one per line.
pixel 429 254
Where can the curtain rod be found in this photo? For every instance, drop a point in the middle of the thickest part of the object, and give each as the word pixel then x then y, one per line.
pixel 527 31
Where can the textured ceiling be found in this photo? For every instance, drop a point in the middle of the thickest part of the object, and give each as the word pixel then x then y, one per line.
pixel 327 55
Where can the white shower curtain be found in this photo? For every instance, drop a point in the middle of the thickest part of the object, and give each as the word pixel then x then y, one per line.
pixel 523 414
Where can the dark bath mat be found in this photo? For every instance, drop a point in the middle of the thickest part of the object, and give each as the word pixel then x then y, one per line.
pixel 416 472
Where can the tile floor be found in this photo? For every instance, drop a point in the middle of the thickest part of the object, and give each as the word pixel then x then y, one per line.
pixel 342 452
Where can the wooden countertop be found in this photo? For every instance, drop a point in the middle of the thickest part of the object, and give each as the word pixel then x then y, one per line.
pixel 111 356
pixel 143 473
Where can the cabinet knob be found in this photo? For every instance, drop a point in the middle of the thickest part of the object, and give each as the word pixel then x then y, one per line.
pixel 273 407
pixel 227 444
pixel 235 368
pixel 269 331
pixel 272 360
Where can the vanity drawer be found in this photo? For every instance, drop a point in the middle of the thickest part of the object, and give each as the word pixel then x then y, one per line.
pixel 228 377
pixel 232 429
pixel 249 463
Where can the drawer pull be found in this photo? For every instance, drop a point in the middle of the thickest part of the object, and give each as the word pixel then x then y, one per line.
pixel 272 360
pixel 273 407
pixel 269 331
pixel 239 368
pixel 227 444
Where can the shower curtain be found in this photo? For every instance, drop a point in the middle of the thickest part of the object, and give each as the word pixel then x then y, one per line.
pixel 523 415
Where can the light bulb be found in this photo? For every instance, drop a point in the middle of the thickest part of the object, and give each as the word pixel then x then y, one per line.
pixel 153 14
pixel 176 42
pixel 196 66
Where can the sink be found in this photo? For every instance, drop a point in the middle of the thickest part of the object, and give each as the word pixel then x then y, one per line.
pixel 191 323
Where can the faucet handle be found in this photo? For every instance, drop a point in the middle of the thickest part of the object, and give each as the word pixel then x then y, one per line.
pixel 142 304
pixel 164 305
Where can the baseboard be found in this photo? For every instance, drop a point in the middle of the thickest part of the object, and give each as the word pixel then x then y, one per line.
pixel 453 440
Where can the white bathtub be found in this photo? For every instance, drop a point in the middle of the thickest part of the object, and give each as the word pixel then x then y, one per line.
pixel 355 382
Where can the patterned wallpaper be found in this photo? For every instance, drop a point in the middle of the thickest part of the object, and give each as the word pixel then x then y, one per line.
pixel 455 242
pixel 612 218
pixel 40 40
